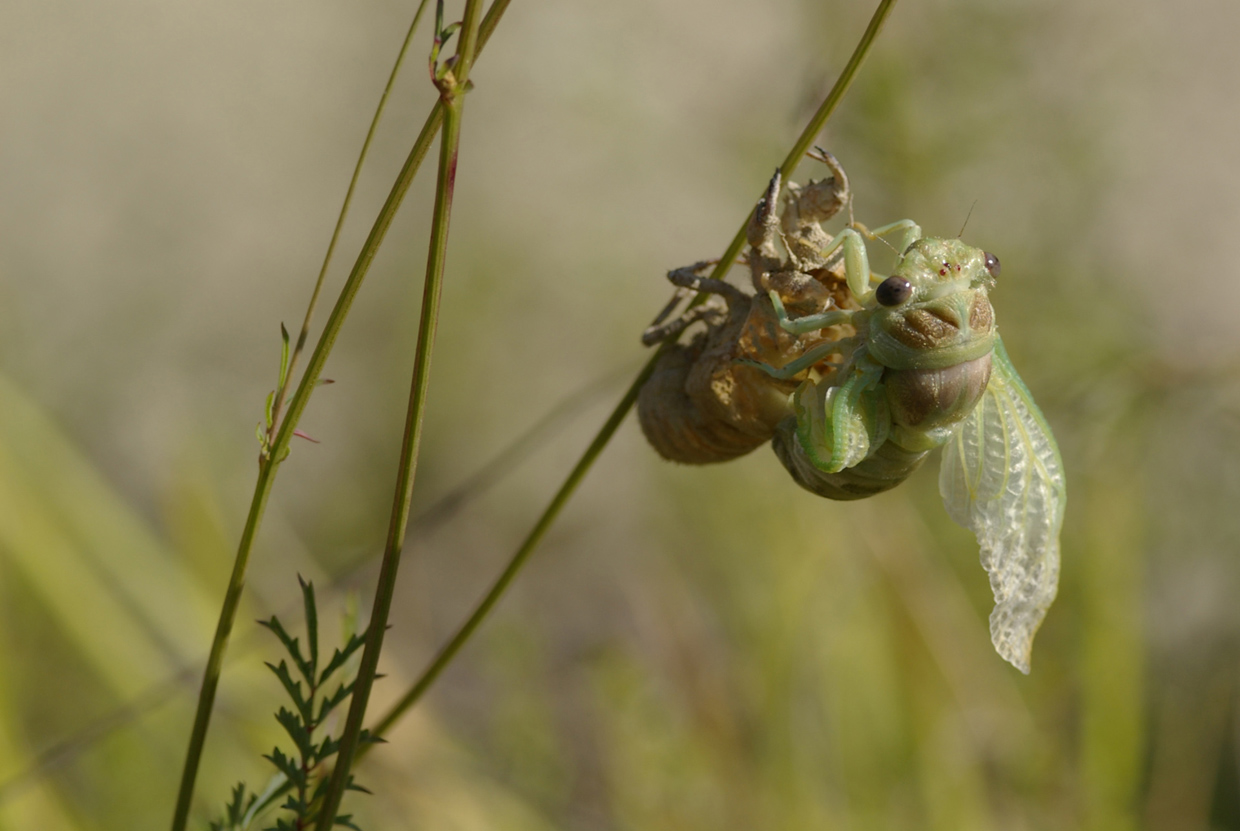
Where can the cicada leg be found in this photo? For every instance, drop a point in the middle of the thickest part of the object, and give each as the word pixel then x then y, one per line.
pixel 840 425
pixel 689 281
pixel 837 170
pixel 711 312
pixel 690 277
pixel 796 367
pixel 912 233
pixel 762 232
pixel 856 271
pixel 806 207
pixel 809 323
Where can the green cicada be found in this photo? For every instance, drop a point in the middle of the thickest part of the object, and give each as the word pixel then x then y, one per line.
pixel 926 369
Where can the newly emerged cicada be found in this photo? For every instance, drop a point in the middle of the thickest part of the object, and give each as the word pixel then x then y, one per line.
pixel 702 404
pixel 856 378
pixel 926 368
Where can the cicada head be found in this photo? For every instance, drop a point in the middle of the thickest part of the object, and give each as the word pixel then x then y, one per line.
pixel 934 312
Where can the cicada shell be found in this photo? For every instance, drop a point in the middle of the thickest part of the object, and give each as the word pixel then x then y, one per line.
pixel 703 403
pixel 857 378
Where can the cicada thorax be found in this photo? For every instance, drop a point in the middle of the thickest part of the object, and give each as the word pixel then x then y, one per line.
pixel 936 359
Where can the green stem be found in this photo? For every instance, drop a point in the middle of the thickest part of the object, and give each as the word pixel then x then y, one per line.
pixel 282 392
pixel 842 83
pixel 297 404
pixel 452 94
pixel 228 613
pixel 267 468
pixel 552 511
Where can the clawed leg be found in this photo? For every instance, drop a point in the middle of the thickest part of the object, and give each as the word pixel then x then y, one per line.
pixel 689 281
pixel 713 311
pixel 763 231
pixel 690 277
pixel 815 202
pixel 837 171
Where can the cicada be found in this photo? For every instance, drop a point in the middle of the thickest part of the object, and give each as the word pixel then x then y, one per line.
pixel 702 404
pixel 926 369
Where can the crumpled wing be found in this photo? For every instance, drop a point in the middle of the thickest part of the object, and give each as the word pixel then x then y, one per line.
pixel 1002 478
pixel 840 426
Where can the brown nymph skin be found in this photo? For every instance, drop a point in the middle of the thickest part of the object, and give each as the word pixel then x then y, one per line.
pixel 700 405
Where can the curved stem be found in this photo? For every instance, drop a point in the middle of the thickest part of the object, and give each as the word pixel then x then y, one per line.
pixel 566 490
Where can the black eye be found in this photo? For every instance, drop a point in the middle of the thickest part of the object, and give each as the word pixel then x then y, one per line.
pixel 992 264
pixel 893 291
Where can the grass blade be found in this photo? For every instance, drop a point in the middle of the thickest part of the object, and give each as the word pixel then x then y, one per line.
pixel 452 84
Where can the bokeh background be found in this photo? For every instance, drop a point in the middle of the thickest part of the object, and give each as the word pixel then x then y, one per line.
pixel 691 648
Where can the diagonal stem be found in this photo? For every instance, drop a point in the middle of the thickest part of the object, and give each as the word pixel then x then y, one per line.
pixel 297 404
pixel 282 392
pixel 566 490
pixel 452 93
pixel 548 518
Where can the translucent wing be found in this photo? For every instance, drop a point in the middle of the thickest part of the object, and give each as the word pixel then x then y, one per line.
pixel 1002 478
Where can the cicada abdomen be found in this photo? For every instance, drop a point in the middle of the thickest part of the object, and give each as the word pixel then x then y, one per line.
pixel 923 405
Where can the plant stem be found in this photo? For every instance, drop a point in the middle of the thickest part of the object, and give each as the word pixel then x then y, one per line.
pixel 282 392
pixel 452 85
pixel 842 83
pixel 228 612
pixel 566 490
pixel 297 404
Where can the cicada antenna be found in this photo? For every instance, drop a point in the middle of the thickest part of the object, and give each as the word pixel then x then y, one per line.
pixel 966 219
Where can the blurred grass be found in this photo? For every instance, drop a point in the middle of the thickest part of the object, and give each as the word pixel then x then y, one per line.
pixel 694 648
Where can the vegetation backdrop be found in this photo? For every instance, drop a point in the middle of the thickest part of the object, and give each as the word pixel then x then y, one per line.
pixel 691 648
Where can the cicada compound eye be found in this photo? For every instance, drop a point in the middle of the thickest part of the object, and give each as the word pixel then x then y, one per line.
pixel 992 264
pixel 893 291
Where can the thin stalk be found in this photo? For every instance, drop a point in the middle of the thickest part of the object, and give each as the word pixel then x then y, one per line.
pixel 452 84
pixel 297 404
pixel 270 463
pixel 300 344
pixel 566 490
pixel 842 83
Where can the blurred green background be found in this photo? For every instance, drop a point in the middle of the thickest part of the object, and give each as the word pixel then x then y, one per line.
pixel 704 648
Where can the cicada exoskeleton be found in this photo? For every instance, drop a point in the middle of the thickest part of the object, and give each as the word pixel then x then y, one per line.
pixel 701 404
